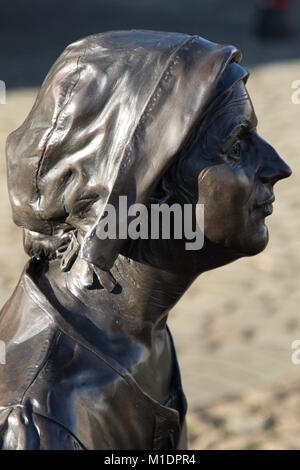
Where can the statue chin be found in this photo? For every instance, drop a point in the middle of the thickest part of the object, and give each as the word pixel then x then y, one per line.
pixel 256 243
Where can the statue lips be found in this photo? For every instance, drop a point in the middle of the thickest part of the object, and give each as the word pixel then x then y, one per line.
pixel 265 207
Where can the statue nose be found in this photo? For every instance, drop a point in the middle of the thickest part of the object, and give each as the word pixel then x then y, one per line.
pixel 273 167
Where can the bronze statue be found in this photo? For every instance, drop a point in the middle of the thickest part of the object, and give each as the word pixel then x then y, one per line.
pixel 158 118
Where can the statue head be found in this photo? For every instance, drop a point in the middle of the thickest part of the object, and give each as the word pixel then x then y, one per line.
pixel 153 116
pixel 231 170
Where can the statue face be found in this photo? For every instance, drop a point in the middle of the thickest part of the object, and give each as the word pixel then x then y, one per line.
pixel 233 171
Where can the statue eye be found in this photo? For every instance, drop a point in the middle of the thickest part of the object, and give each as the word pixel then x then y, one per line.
pixel 235 152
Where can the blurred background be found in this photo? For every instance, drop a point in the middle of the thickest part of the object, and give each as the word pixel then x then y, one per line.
pixel 234 328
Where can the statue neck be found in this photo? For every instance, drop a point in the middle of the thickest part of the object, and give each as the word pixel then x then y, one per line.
pixel 149 284
pixel 140 302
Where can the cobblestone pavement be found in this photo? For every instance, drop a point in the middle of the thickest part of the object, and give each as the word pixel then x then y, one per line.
pixel 258 420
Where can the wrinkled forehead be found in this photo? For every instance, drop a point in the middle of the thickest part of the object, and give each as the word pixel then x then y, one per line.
pixel 235 112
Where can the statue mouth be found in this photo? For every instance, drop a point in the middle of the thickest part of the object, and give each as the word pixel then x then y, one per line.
pixel 265 207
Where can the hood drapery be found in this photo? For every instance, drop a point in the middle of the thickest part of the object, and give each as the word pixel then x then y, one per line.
pixel 111 115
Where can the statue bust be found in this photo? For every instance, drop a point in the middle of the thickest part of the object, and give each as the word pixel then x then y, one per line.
pixel 161 118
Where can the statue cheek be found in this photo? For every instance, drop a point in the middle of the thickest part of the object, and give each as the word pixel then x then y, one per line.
pixel 224 191
pixel 223 182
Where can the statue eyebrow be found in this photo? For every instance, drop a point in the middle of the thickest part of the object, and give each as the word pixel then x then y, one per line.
pixel 242 129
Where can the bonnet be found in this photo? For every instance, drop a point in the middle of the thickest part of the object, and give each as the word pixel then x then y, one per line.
pixel 113 111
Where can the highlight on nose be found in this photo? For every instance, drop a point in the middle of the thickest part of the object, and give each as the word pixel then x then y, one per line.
pixel 273 167
pixel 285 170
